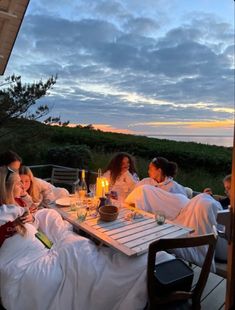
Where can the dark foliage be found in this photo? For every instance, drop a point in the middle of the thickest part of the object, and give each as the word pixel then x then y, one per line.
pixel 212 158
pixel 76 156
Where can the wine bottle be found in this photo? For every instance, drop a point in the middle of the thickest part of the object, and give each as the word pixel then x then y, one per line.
pixel 83 186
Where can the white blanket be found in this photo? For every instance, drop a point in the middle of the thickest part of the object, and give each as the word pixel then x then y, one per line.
pixel 73 274
pixel 199 213
pixel 153 199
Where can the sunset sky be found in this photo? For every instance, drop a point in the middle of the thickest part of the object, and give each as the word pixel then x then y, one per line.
pixel 145 67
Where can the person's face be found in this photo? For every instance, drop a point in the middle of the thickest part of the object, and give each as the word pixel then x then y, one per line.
pixel 18 187
pixel 125 164
pixel 227 187
pixel 154 172
pixel 26 182
pixel 15 165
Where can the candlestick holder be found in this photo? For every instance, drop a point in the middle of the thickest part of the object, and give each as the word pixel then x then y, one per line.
pixel 102 201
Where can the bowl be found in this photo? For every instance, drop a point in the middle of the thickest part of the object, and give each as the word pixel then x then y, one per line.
pixel 108 213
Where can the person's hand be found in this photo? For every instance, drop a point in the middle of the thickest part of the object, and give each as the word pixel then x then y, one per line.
pixel 208 191
pixel 23 192
pixel 33 208
pixel 27 218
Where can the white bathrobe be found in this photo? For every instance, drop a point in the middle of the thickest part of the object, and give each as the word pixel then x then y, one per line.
pixel 124 184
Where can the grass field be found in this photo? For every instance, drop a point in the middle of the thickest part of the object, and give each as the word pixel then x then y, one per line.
pixel 200 165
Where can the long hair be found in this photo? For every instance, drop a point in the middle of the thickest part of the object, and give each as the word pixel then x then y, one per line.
pixel 33 190
pixel 169 168
pixel 8 157
pixel 115 165
pixel 8 179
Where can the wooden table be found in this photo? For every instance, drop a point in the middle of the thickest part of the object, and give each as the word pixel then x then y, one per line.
pixel 131 237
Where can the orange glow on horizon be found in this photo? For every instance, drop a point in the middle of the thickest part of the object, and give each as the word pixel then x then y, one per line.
pixel 190 124
pixel 110 128
pixel 105 128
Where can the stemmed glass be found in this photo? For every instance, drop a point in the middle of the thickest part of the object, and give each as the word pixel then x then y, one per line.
pixel 92 189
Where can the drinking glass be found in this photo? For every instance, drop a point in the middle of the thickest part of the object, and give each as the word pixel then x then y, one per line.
pixel 92 189
pixel 73 204
pixel 81 213
pixel 160 217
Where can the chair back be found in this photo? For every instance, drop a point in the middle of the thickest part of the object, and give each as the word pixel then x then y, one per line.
pixel 167 244
pixel 64 176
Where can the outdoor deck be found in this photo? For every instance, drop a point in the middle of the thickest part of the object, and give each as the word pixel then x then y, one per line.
pixel 213 296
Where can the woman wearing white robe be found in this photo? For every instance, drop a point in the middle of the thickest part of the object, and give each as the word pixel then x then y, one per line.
pixel 161 173
pixel 39 191
pixel 72 274
pixel 121 175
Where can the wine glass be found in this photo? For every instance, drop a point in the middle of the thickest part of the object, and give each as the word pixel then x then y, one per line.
pixel 92 189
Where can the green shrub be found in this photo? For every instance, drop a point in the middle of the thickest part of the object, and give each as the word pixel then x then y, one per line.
pixel 76 156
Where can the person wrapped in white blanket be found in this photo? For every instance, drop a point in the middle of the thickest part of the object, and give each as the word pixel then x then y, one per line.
pixel 72 274
pixel 38 191
pixel 121 175
pixel 160 193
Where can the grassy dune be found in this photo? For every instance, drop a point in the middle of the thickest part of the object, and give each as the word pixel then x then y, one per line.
pixel 200 165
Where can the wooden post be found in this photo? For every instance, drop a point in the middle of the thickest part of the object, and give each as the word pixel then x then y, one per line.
pixel 230 292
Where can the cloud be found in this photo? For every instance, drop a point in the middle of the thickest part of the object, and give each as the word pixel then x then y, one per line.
pixel 120 63
pixel 141 25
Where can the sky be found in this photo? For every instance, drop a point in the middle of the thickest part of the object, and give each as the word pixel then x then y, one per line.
pixel 152 67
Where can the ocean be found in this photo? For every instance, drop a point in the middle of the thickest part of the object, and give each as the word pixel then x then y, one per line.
pixel 211 140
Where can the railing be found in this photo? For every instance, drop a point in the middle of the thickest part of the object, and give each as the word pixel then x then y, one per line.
pixel 45 172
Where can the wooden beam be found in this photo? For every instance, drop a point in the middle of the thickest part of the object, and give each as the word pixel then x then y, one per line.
pixel 230 292
pixel 11 15
pixel 7 15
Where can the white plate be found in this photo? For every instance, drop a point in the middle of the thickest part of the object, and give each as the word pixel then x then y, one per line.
pixel 63 201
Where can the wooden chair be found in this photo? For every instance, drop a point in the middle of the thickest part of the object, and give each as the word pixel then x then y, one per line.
pixel 64 176
pixel 196 292
pixel 223 218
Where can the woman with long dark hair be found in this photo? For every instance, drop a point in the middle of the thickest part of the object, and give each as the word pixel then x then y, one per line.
pixel 121 174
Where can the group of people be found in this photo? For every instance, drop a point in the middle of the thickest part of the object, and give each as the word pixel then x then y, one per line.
pixel 74 271
pixel 122 176
pixel 160 193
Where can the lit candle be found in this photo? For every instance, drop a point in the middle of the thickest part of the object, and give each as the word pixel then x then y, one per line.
pixel 106 186
pixel 99 184
pixel 99 187
pixel 103 187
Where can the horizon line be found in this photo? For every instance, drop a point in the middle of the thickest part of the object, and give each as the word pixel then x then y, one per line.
pixel 175 135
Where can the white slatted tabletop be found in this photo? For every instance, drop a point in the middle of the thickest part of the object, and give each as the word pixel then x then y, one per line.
pixel 131 237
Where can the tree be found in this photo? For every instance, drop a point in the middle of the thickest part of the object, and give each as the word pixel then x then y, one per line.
pixel 17 99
